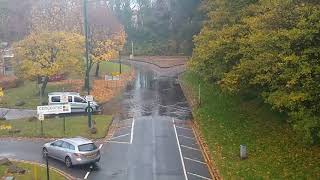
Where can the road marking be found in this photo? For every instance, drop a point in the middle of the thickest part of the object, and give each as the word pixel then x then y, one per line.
pixel 182 161
pixel 190 147
pixel 132 126
pixel 187 137
pixel 199 176
pixel 100 146
pixel 119 136
pixel 184 128
pixel 117 142
pixel 125 127
pixel 86 176
pixel 194 160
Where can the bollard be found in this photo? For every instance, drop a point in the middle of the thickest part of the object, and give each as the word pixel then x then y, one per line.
pixel 243 152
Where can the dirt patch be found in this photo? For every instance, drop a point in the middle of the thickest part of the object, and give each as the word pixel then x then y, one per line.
pixel 163 61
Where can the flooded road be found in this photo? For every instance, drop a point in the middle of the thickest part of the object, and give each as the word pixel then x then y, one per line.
pixel 153 140
pixel 152 94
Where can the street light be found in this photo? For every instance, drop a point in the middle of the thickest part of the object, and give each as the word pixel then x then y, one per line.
pixel 87 78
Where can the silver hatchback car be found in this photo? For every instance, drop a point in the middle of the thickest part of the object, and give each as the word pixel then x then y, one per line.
pixel 72 151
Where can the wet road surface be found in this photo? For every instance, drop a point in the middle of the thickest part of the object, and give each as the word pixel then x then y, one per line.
pixel 153 141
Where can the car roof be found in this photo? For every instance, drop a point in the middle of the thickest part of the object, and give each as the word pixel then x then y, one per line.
pixel 77 141
pixel 63 93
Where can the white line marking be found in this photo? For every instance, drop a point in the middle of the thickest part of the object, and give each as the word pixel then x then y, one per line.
pixel 184 128
pixel 100 146
pixel 190 147
pixel 194 160
pixel 86 177
pixel 124 127
pixel 117 142
pixel 187 137
pixel 199 176
pixel 119 136
pixel 182 161
pixel 132 126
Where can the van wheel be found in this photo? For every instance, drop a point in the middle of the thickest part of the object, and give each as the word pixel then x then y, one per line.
pixel 89 109
pixel 68 162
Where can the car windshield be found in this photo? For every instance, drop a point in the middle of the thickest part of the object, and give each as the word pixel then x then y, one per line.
pixel 87 147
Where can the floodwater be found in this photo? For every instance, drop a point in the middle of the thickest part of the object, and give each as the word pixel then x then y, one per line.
pixel 150 94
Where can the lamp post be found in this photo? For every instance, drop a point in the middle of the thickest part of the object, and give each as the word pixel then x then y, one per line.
pixel 87 78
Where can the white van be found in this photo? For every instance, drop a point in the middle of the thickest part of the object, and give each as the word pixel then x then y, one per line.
pixel 77 102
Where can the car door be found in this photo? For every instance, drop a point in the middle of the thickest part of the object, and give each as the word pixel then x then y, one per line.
pixel 80 104
pixel 54 149
pixel 64 151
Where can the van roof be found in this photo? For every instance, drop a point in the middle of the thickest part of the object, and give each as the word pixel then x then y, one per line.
pixel 62 93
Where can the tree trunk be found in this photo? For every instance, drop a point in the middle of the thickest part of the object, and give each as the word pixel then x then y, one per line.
pixel 44 86
pixel 97 69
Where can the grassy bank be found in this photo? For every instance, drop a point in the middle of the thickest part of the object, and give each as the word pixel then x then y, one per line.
pixel 109 67
pixel 31 173
pixel 75 126
pixel 228 121
pixel 29 93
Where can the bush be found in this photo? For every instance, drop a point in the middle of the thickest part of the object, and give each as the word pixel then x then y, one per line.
pixel 7 82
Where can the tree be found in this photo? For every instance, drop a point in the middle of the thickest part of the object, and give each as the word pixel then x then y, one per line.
pixel 269 49
pixel 47 54
pixel 106 35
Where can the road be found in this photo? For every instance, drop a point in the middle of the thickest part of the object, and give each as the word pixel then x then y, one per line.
pixel 153 141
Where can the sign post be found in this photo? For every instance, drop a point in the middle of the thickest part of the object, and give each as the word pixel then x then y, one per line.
pixel 41 119
pixel 89 98
pixel 64 99
pixel 52 109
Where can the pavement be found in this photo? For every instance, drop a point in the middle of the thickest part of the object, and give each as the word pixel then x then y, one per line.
pixel 11 114
pixel 153 140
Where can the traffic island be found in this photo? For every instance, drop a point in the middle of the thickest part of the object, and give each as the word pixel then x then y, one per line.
pixel 54 127
pixel 13 169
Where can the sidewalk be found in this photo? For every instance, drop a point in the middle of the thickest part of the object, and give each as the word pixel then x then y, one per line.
pixel 11 114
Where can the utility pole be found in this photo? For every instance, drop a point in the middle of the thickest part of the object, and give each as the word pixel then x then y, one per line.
pixel 85 16
pixel 87 80
pixel 120 70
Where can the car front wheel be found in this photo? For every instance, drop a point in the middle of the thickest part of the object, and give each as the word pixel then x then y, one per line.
pixel 68 162
pixel 45 152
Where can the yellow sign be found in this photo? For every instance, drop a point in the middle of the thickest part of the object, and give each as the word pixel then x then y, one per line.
pixel 5 127
pixel 115 73
pixel 1 92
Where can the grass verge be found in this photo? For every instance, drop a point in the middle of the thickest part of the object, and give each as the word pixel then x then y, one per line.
pixel 228 121
pixel 109 67
pixel 54 127
pixel 32 172
pixel 29 93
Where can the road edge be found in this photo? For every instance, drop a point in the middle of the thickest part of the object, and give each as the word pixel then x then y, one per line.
pixel 198 134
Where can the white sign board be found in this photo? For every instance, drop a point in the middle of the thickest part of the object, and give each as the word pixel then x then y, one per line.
pixel 64 99
pixel 89 98
pixel 54 109
pixel 41 117
pixel 111 78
